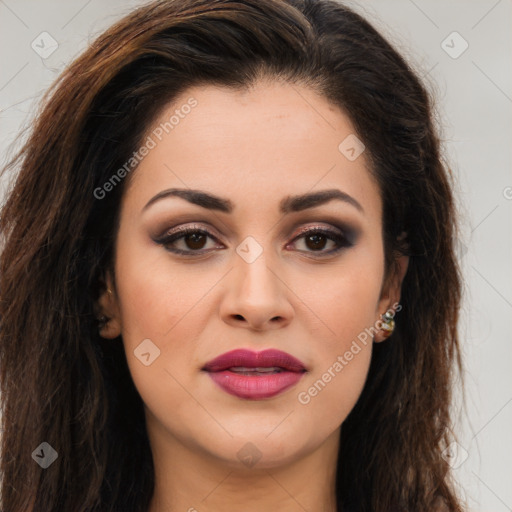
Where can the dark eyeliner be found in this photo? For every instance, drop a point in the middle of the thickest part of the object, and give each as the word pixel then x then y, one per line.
pixel 344 237
pixel 169 237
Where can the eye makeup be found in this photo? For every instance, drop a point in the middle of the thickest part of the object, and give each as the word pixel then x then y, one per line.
pixel 192 238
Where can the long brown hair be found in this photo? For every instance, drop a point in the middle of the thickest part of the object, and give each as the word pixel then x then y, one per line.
pixel 62 384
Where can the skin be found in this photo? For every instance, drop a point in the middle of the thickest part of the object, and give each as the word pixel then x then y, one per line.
pixel 255 148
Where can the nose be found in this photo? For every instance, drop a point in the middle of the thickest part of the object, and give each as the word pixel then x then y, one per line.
pixel 257 296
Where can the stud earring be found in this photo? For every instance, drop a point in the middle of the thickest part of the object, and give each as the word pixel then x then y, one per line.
pixel 388 324
pixel 102 321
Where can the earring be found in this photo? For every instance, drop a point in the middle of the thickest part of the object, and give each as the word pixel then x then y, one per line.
pixel 102 321
pixel 388 324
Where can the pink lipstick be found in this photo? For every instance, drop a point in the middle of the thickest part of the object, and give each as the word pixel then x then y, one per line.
pixel 255 375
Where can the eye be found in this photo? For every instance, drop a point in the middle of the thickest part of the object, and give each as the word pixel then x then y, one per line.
pixel 193 240
pixel 315 239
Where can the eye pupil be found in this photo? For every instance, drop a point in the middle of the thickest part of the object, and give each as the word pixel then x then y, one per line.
pixel 315 238
pixel 194 237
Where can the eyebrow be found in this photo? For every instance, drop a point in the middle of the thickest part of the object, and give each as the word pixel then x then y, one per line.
pixel 287 205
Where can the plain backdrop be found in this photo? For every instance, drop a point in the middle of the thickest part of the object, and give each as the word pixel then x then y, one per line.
pixel 463 50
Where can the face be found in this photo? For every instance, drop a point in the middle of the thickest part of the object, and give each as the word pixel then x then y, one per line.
pixel 261 267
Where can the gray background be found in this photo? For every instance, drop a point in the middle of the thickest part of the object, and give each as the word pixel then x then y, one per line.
pixel 474 94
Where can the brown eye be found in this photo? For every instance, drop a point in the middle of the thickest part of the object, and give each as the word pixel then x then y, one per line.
pixel 193 240
pixel 316 239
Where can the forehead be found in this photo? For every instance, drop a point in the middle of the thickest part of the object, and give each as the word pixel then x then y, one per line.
pixel 255 145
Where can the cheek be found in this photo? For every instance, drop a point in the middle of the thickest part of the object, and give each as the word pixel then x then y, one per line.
pixel 169 305
pixel 345 307
pixel 155 296
pixel 342 356
pixel 156 306
pixel 330 392
pixel 342 299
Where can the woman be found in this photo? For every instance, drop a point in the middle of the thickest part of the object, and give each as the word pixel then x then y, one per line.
pixel 228 277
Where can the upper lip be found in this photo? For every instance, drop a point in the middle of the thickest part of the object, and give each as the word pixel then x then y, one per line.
pixel 249 359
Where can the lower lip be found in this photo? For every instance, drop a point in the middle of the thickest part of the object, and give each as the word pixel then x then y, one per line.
pixel 255 387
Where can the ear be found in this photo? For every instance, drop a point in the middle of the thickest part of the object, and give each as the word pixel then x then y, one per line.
pixel 107 310
pixel 391 291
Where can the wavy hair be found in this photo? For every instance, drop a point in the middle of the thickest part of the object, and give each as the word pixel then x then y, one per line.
pixel 62 384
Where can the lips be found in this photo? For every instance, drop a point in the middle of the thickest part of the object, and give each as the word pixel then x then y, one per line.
pixel 266 359
pixel 255 375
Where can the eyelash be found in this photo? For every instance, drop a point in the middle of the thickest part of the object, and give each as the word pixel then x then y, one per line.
pixel 169 238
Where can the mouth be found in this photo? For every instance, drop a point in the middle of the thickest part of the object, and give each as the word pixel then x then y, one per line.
pixel 241 370
pixel 255 375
